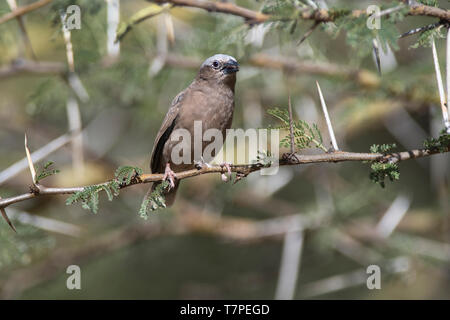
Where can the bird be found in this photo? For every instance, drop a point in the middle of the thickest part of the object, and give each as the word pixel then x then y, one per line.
pixel 209 99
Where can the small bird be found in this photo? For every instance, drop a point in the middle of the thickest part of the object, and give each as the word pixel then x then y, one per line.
pixel 209 99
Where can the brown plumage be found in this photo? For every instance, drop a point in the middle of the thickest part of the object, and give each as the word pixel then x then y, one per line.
pixel 210 99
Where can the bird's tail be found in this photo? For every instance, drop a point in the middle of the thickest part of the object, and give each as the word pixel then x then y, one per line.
pixel 169 195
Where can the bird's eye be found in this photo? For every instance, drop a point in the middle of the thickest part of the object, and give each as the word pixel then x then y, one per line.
pixel 215 64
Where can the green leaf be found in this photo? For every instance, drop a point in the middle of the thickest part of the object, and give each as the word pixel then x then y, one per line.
pixel 381 171
pixel 432 3
pixel 305 136
pixel 46 171
pixel 384 148
pixel 154 200
pixel 441 144
pixel 125 174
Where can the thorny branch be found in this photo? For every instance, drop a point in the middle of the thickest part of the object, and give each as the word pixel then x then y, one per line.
pixel 240 170
pixel 20 11
pixel 318 15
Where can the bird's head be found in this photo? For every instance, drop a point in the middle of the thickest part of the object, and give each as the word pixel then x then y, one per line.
pixel 220 67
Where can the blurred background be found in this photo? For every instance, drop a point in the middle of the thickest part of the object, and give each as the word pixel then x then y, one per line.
pixel 310 231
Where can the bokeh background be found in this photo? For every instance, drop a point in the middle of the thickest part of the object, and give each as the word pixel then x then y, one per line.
pixel 308 232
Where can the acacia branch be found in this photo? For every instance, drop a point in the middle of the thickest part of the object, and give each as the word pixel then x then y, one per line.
pixel 318 15
pixel 223 7
pixel 20 11
pixel 20 66
pixel 240 170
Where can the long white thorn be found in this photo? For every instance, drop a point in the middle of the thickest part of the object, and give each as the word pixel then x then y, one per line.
pixel 448 75
pixel 30 162
pixel 327 118
pixel 290 262
pixel 113 18
pixel 37 156
pixel 68 43
pixel 440 87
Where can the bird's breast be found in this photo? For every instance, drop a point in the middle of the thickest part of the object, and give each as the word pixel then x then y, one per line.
pixel 213 107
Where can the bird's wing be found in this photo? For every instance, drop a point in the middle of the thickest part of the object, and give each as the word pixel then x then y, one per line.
pixel 165 131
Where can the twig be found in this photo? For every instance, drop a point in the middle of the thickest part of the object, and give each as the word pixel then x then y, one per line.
pixel 13 6
pixel 24 10
pixel 363 77
pixel 389 11
pixel 223 7
pixel 243 170
pixel 327 119
pixel 20 66
pixel 319 15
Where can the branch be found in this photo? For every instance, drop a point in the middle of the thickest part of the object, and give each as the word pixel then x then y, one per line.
pixel 23 31
pixel 318 15
pixel 20 66
pixel 241 170
pixel 224 7
pixel 24 10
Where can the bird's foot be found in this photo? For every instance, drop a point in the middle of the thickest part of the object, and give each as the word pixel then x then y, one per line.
pixel 226 165
pixel 201 164
pixel 170 176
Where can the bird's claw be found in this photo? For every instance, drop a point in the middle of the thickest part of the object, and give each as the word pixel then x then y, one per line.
pixel 170 176
pixel 228 167
pixel 199 164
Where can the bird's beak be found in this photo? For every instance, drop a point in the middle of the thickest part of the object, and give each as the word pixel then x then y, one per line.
pixel 230 67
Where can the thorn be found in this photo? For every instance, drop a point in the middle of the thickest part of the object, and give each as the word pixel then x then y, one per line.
pixel 5 216
pixel 291 125
pixel 422 29
pixel 448 78
pixel 68 43
pixel 327 118
pixel 440 85
pixel 308 33
pixel 30 161
pixel 169 27
pixel 376 52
